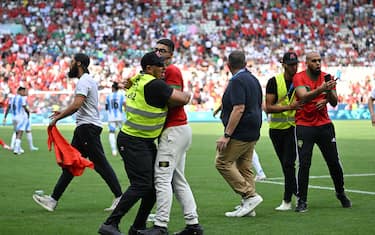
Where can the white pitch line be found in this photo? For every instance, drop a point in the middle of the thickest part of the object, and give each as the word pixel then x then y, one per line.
pixel 268 181
pixel 327 176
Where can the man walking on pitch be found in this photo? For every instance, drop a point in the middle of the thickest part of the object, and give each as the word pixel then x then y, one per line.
pixel 86 137
pixel 174 142
pixel 281 105
pixel 147 104
pixel 242 119
pixel 315 89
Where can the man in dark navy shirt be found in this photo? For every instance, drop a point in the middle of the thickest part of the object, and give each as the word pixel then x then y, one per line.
pixel 242 118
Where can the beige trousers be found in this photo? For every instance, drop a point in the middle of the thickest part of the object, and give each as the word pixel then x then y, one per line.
pixel 234 164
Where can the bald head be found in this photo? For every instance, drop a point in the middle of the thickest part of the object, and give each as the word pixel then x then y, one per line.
pixel 313 61
pixel 311 55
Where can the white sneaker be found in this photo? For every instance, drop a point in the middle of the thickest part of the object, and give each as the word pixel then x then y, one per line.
pixel 114 153
pixel 151 218
pixel 251 214
pixel 249 205
pixel 34 148
pixel 47 202
pixel 285 206
pixel 237 209
pixel 114 204
pixel 233 213
pixel 260 178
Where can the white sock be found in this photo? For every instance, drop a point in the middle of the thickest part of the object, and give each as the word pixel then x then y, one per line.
pixel 112 141
pixel 17 145
pixel 30 139
pixel 256 164
pixel 13 141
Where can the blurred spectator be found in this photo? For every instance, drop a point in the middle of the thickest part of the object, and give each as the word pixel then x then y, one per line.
pixel 114 34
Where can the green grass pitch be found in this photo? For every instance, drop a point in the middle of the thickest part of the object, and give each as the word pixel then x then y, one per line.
pixel 80 210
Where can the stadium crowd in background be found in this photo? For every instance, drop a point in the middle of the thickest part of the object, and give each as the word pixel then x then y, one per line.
pixel 116 33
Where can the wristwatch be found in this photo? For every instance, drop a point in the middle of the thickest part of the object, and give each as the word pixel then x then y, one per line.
pixel 227 135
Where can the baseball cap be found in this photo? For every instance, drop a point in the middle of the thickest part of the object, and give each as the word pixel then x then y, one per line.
pixel 151 58
pixel 290 58
pixel 83 58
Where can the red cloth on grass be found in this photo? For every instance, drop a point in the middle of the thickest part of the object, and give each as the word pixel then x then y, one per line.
pixel 66 155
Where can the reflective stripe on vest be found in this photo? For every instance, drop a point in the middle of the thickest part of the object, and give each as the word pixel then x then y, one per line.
pixel 280 119
pixel 285 119
pixel 142 119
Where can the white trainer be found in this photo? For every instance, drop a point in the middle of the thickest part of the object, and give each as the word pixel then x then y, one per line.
pixel 114 153
pixel 249 205
pixel 237 209
pixel 114 204
pixel 251 214
pixel 260 178
pixel 233 213
pixel 151 218
pixel 285 206
pixel 45 201
pixel 34 148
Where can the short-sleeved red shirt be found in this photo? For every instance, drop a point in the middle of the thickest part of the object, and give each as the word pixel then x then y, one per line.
pixel 176 116
pixel 309 115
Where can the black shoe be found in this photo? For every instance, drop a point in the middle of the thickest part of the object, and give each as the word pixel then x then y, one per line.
pixel 109 229
pixel 301 206
pixel 195 229
pixel 132 231
pixel 345 201
pixel 156 230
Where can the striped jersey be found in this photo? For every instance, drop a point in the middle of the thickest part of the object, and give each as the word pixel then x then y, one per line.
pixel 17 104
pixel 114 103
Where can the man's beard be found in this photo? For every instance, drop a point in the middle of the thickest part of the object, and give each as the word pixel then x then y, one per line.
pixel 73 72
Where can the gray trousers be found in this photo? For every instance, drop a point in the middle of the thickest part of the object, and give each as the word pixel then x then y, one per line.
pixel 170 178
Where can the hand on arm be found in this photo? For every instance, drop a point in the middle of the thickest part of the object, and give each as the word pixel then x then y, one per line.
pixel 273 107
pixel 178 98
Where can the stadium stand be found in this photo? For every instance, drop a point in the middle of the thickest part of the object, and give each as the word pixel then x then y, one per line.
pixel 37 39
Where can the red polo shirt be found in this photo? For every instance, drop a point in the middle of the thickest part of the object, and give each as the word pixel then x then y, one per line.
pixel 309 115
pixel 176 116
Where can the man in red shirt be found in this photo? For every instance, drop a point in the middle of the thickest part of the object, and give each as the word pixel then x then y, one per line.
pixel 315 89
pixel 174 142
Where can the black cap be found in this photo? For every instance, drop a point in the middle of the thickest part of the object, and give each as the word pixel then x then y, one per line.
pixel 290 58
pixel 151 58
pixel 83 58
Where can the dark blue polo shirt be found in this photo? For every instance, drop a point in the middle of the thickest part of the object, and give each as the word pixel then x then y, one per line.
pixel 244 88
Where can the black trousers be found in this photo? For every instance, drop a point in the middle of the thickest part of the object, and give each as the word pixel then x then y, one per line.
pixel 86 140
pixel 139 158
pixel 324 137
pixel 284 144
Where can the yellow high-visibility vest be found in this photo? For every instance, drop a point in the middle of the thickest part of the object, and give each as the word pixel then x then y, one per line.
pixel 285 119
pixel 142 119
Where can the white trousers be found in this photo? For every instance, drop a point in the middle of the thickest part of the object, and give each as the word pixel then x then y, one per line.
pixel 170 178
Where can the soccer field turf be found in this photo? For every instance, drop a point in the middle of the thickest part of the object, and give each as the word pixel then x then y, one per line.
pixel 80 210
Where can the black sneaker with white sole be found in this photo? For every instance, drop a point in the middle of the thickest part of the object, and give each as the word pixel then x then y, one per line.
pixel 301 206
pixel 345 201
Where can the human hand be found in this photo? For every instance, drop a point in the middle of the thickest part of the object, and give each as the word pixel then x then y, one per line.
pixel 221 143
pixel 373 119
pixel 53 118
pixel 329 85
pixel 296 105
pixel 321 104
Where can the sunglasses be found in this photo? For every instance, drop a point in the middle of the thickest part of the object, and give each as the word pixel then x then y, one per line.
pixel 162 50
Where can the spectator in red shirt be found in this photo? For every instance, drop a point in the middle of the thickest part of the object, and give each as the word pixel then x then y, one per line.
pixel 315 89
